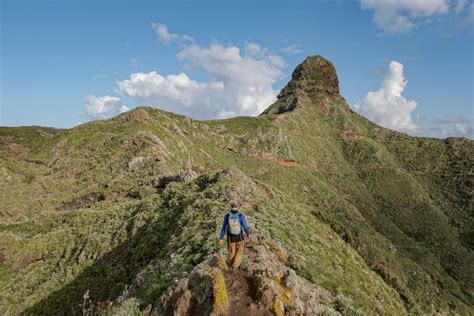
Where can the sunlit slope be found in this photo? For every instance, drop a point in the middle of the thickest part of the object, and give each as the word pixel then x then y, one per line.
pixel 381 220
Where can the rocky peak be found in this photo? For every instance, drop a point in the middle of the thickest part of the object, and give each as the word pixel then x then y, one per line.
pixel 314 75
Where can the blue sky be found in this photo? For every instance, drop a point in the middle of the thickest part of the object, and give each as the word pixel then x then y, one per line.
pixel 67 62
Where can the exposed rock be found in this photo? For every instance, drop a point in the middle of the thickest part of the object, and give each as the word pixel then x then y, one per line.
pixel 235 185
pixel 45 134
pixel 315 75
pixel 138 115
pixel 135 164
pixel 210 288
pixel 348 165
pixel 147 144
pixel 18 149
pixel 192 293
pixel 84 201
pixel 187 176
pixel 183 176
pixel 148 310
pixel 221 299
pixel 143 137
pixel 279 286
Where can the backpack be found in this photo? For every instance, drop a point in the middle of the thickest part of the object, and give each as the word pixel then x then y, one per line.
pixel 234 223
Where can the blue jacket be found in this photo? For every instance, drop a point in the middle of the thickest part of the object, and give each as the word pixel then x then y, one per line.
pixel 243 223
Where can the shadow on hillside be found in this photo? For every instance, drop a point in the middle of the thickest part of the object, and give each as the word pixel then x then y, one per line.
pixel 107 278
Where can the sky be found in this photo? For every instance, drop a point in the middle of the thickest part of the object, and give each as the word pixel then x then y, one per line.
pixel 405 64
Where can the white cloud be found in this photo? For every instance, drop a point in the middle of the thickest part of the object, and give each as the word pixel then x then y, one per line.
pixel 254 49
pixel 176 93
pixel 239 81
pixel 451 119
pixel 239 84
pixel 166 37
pixel 462 128
pixel 453 125
pixel 103 107
pixel 291 49
pixel 387 106
pixel 399 16
pixel 163 34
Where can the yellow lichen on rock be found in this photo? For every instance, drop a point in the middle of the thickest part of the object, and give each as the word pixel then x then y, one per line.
pixel 221 300
pixel 218 261
pixel 278 307
pixel 222 262
pixel 285 293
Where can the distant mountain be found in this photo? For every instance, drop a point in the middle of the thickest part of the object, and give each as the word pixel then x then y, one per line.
pixel 122 216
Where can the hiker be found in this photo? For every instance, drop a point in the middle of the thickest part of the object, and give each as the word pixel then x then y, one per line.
pixel 234 221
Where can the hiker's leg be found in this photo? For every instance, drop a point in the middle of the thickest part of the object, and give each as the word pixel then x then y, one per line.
pixel 230 252
pixel 239 252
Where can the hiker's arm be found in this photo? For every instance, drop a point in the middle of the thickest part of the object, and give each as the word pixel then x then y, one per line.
pixel 224 227
pixel 246 227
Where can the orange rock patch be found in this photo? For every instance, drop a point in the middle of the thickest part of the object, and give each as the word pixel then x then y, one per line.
pixel 288 163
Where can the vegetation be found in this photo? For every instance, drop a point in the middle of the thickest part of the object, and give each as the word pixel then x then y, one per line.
pixel 382 220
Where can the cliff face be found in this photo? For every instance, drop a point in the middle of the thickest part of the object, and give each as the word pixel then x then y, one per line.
pixel 348 217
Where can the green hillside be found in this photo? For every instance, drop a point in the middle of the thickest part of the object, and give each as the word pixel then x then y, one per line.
pixel 348 217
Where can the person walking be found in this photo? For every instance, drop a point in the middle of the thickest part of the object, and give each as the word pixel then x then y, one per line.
pixel 234 225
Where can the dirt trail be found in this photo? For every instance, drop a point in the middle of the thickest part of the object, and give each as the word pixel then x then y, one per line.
pixel 286 163
pixel 242 294
pixel 240 285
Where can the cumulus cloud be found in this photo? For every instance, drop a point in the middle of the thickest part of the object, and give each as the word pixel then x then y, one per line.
pixel 254 49
pixel 166 37
pixel 176 93
pixel 387 106
pixel 399 16
pixel 103 107
pixel 241 82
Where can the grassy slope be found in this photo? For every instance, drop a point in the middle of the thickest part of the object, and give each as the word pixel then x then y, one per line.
pixel 369 211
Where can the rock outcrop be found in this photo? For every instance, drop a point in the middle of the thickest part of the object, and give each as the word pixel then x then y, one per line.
pixel 138 115
pixel 265 286
pixel 183 176
pixel 315 75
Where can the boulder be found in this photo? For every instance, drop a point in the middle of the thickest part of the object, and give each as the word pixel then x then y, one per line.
pixel 135 164
pixel 83 201
pixel 183 176
pixel 194 292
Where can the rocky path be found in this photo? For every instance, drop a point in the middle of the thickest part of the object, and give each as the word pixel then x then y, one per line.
pixel 242 294
pixel 265 286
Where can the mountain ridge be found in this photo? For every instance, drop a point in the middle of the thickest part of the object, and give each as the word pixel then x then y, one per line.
pixel 376 219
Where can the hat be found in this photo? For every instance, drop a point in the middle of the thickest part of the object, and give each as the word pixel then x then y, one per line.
pixel 233 203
